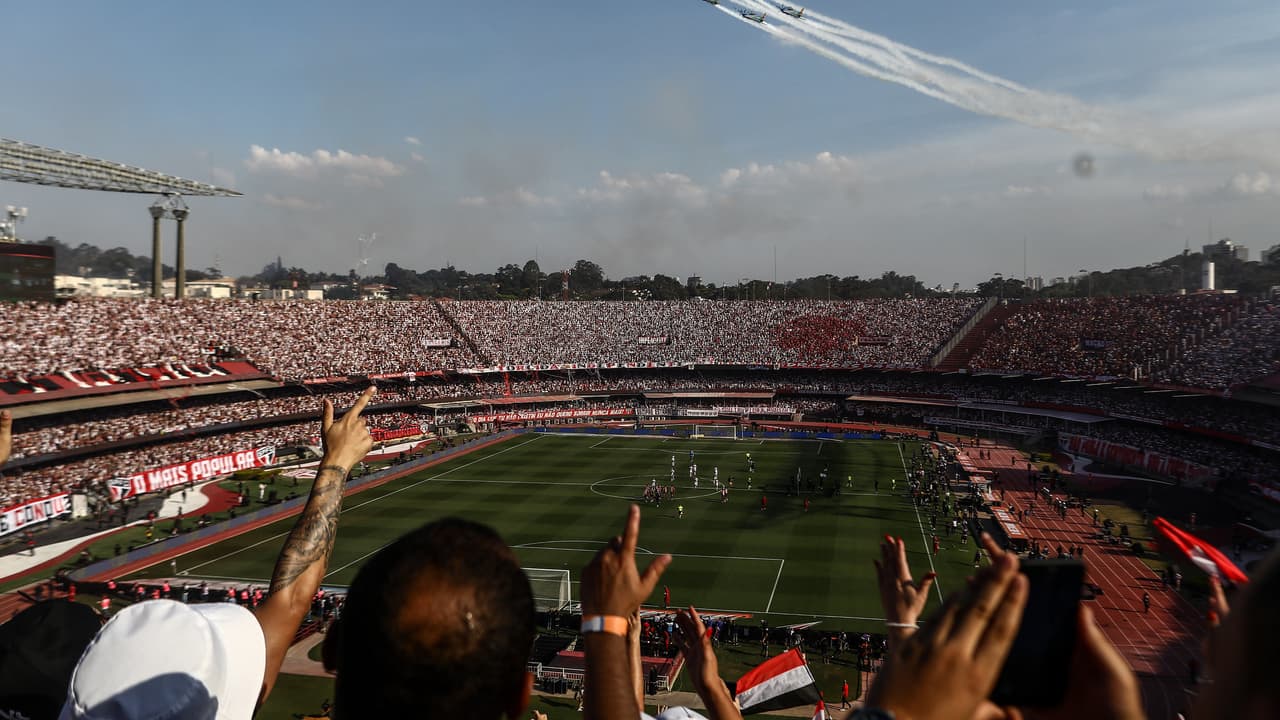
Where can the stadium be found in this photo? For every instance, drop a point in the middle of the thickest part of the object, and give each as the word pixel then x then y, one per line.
pixel 838 470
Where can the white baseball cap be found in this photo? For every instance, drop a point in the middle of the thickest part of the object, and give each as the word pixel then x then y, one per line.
pixel 163 660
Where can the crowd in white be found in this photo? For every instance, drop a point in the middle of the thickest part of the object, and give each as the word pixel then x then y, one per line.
pixel 292 338
pixel 880 333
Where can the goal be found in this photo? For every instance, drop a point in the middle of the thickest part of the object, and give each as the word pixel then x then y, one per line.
pixel 551 588
pixel 728 432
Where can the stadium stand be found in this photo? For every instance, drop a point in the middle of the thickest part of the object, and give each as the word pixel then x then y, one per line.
pixel 1102 337
pixel 1247 350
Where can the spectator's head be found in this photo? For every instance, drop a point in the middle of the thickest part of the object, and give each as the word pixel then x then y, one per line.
pixel 1242 653
pixel 165 659
pixel 438 624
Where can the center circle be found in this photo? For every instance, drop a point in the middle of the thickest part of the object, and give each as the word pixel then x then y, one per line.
pixel 633 498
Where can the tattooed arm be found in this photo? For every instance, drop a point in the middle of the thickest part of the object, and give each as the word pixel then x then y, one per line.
pixel 305 556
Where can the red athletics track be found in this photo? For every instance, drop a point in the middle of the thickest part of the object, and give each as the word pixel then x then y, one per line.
pixel 1159 645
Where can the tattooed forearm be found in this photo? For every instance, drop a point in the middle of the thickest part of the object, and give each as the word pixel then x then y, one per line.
pixel 311 540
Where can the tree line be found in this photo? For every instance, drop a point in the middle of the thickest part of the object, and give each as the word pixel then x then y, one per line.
pixel 587 280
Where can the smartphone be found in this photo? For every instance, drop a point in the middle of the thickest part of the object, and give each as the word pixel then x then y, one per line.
pixel 1035 673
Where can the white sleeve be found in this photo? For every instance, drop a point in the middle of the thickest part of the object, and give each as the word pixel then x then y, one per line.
pixel 675 713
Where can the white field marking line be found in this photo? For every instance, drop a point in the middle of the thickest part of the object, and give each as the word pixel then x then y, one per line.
pixel 602 442
pixel 705 610
pixel 356 507
pixel 539 545
pixel 819 447
pixel 928 552
pixel 768 607
pixel 531 546
pixel 223 577
pixel 353 562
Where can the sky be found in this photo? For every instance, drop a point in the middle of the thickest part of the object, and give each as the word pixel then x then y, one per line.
pixel 658 137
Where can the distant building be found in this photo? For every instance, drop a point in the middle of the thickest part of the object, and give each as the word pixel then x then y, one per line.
pixel 376 292
pixel 1058 281
pixel 694 282
pixel 1225 249
pixel 1271 256
pixel 1035 283
pixel 77 286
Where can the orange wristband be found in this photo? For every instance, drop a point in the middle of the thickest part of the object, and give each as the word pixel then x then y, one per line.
pixel 611 624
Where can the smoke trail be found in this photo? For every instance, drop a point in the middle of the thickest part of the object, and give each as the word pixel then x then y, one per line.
pixel 969 88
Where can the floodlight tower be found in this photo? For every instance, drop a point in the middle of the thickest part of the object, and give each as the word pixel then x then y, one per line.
pixel 180 213
pixel 158 210
pixel 16 215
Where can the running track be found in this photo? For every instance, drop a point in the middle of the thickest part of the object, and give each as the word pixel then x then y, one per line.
pixel 1159 645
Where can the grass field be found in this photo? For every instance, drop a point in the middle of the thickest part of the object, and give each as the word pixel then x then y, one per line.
pixel 556 498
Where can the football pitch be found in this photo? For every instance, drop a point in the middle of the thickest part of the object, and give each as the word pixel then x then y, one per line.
pixel 557 498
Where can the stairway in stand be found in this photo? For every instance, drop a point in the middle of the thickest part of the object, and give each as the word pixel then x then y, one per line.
pixel 959 356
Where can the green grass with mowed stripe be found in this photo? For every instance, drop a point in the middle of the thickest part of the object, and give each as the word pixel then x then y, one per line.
pixel 556 498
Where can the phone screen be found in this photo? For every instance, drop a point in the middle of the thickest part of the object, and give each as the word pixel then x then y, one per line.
pixel 1035 673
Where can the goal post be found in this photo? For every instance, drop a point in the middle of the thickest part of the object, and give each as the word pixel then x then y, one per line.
pixel 727 432
pixel 552 589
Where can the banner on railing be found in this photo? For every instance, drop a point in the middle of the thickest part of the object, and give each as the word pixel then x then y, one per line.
pixel 535 415
pixel 15 518
pixel 653 340
pixel 1151 461
pixel 149 481
pixel 437 342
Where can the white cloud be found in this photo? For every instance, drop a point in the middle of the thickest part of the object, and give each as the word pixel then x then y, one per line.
pixel 417 157
pixel 1160 191
pixel 291 202
pixel 412 140
pixel 521 197
pixel 223 177
pixel 297 165
pixel 1022 191
pixel 1259 183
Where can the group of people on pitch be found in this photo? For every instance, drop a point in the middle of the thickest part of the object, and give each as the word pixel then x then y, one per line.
pixel 440 624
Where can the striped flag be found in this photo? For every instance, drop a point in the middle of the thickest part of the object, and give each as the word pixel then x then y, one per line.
pixel 1201 553
pixel 783 681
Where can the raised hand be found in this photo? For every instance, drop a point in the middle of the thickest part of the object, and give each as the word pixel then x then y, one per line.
pixel 902 597
pixel 611 582
pixel 947 670
pixel 347 440
pixel 6 435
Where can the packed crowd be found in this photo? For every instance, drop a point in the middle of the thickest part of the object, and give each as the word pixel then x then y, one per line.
pixel 1103 337
pixel 53 434
pixel 295 339
pixel 1194 340
pixel 1247 350
pixel 881 333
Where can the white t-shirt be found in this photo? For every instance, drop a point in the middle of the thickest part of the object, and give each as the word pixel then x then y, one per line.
pixel 675 713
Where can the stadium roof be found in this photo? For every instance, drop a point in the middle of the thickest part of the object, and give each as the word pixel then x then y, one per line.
pixel 27 163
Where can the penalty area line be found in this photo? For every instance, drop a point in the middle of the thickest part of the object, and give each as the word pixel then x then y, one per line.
pixel 781 564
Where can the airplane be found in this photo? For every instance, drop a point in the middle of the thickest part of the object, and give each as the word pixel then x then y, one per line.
pixel 754 16
pixel 793 12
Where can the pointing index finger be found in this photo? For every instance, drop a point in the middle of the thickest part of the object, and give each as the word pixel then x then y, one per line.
pixel 362 401
pixel 631 534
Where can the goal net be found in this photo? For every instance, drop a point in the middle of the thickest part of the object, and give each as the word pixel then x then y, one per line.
pixel 551 588
pixel 728 432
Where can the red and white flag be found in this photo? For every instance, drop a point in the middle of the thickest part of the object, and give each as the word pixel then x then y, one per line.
pixel 820 712
pixel 783 681
pixel 1201 553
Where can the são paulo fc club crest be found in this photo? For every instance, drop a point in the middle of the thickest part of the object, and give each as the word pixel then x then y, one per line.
pixel 266 455
pixel 120 488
